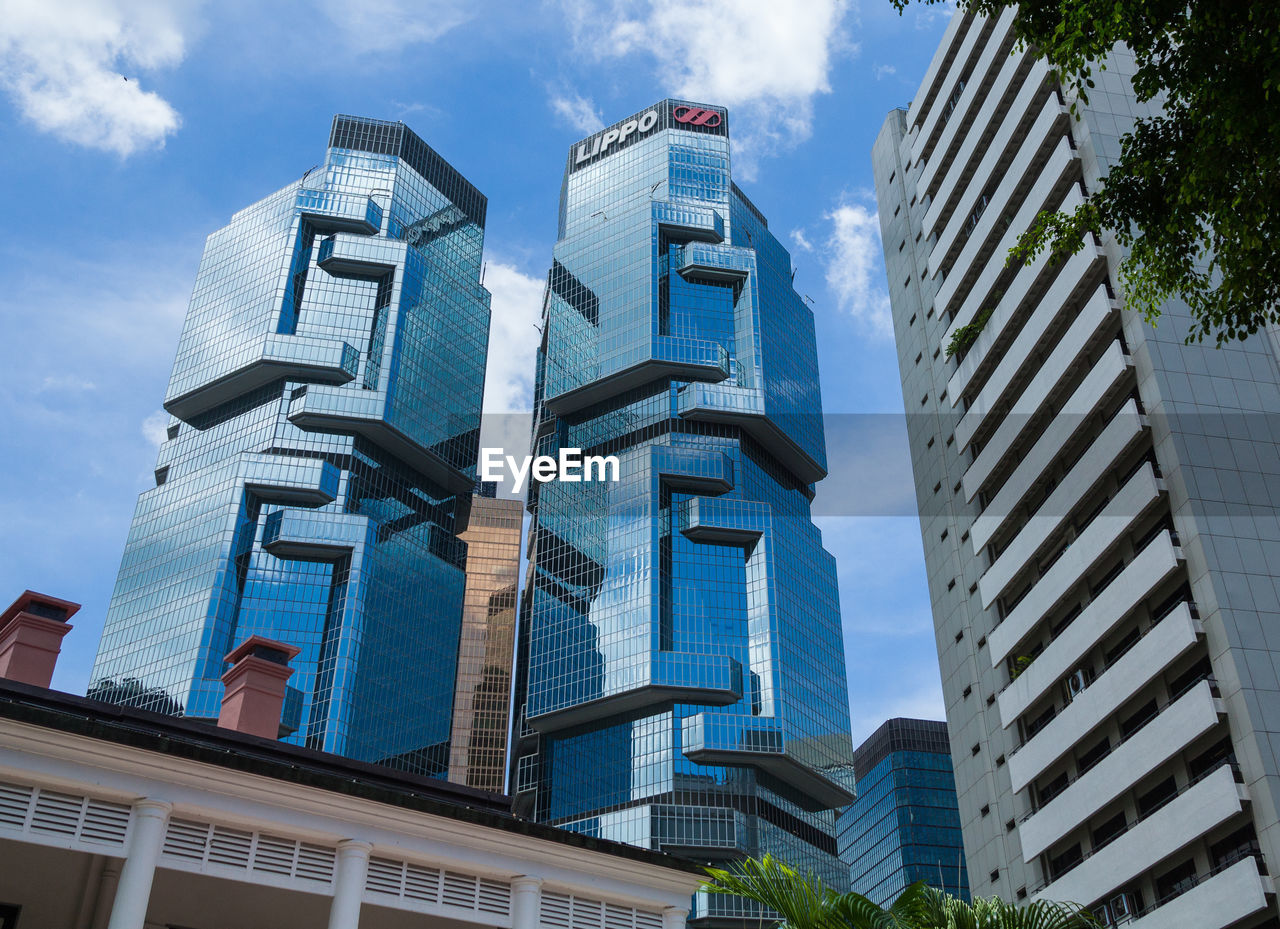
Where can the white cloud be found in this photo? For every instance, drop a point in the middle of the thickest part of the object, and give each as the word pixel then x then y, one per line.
pixel 391 25
pixel 764 59
pixel 883 71
pixel 801 240
pixel 513 350
pixel 513 338
pixel 67 383
pixel 72 68
pixel 155 428
pixel 578 112
pixel 853 263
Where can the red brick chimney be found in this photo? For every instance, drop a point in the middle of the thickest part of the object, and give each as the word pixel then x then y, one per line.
pixel 31 632
pixel 254 692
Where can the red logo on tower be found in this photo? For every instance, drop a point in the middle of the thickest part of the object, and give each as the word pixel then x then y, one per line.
pixel 696 116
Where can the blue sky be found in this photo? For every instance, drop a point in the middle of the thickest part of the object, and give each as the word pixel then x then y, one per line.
pixel 134 128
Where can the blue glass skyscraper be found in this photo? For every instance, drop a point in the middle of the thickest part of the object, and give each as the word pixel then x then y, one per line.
pixel 325 406
pixel 681 681
pixel 904 825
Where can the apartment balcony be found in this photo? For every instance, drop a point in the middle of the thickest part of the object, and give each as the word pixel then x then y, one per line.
pixel 921 143
pixel 1176 726
pixel 1100 385
pixel 1051 121
pixel 1141 492
pixel 1083 332
pixel 1119 683
pixel 1044 385
pixel 1198 809
pixel 1149 568
pixel 1116 439
pixel 1050 188
pixel 328 361
pixel 1222 899
pixel 972 119
pixel 940 63
pixel 1068 279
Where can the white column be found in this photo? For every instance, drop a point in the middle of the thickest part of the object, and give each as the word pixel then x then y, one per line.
pixel 133 893
pixel 348 884
pixel 526 902
pixel 106 893
pixel 673 917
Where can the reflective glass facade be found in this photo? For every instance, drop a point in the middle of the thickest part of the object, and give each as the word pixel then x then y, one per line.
pixel 325 407
pixel 681 682
pixel 482 697
pixel 904 825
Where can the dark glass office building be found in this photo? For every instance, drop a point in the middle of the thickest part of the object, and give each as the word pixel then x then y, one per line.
pixel 681 681
pixel 904 825
pixel 325 406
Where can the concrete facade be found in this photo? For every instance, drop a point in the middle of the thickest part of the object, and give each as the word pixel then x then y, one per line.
pixel 1098 504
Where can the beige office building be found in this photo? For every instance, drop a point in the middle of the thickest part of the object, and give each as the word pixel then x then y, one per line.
pixel 482 695
pixel 1098 503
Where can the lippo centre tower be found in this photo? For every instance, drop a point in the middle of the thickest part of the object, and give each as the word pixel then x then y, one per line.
pixel 325 405
pixel 681 681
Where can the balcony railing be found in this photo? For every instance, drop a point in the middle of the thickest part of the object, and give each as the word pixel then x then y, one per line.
pixel 1235 771
pixel 1085 769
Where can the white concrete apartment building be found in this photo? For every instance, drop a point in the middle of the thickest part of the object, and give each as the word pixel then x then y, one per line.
pixel 1099 507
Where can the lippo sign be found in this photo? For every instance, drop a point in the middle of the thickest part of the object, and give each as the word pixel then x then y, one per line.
pixel 677 116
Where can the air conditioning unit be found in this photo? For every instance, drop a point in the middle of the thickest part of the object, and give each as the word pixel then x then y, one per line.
pixel 1103 915
pixel 1122 909
pixel 1076 683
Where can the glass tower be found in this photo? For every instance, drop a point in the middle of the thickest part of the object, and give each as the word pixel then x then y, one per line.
pixel 681 682
pixel 325 406
pixel 904 825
